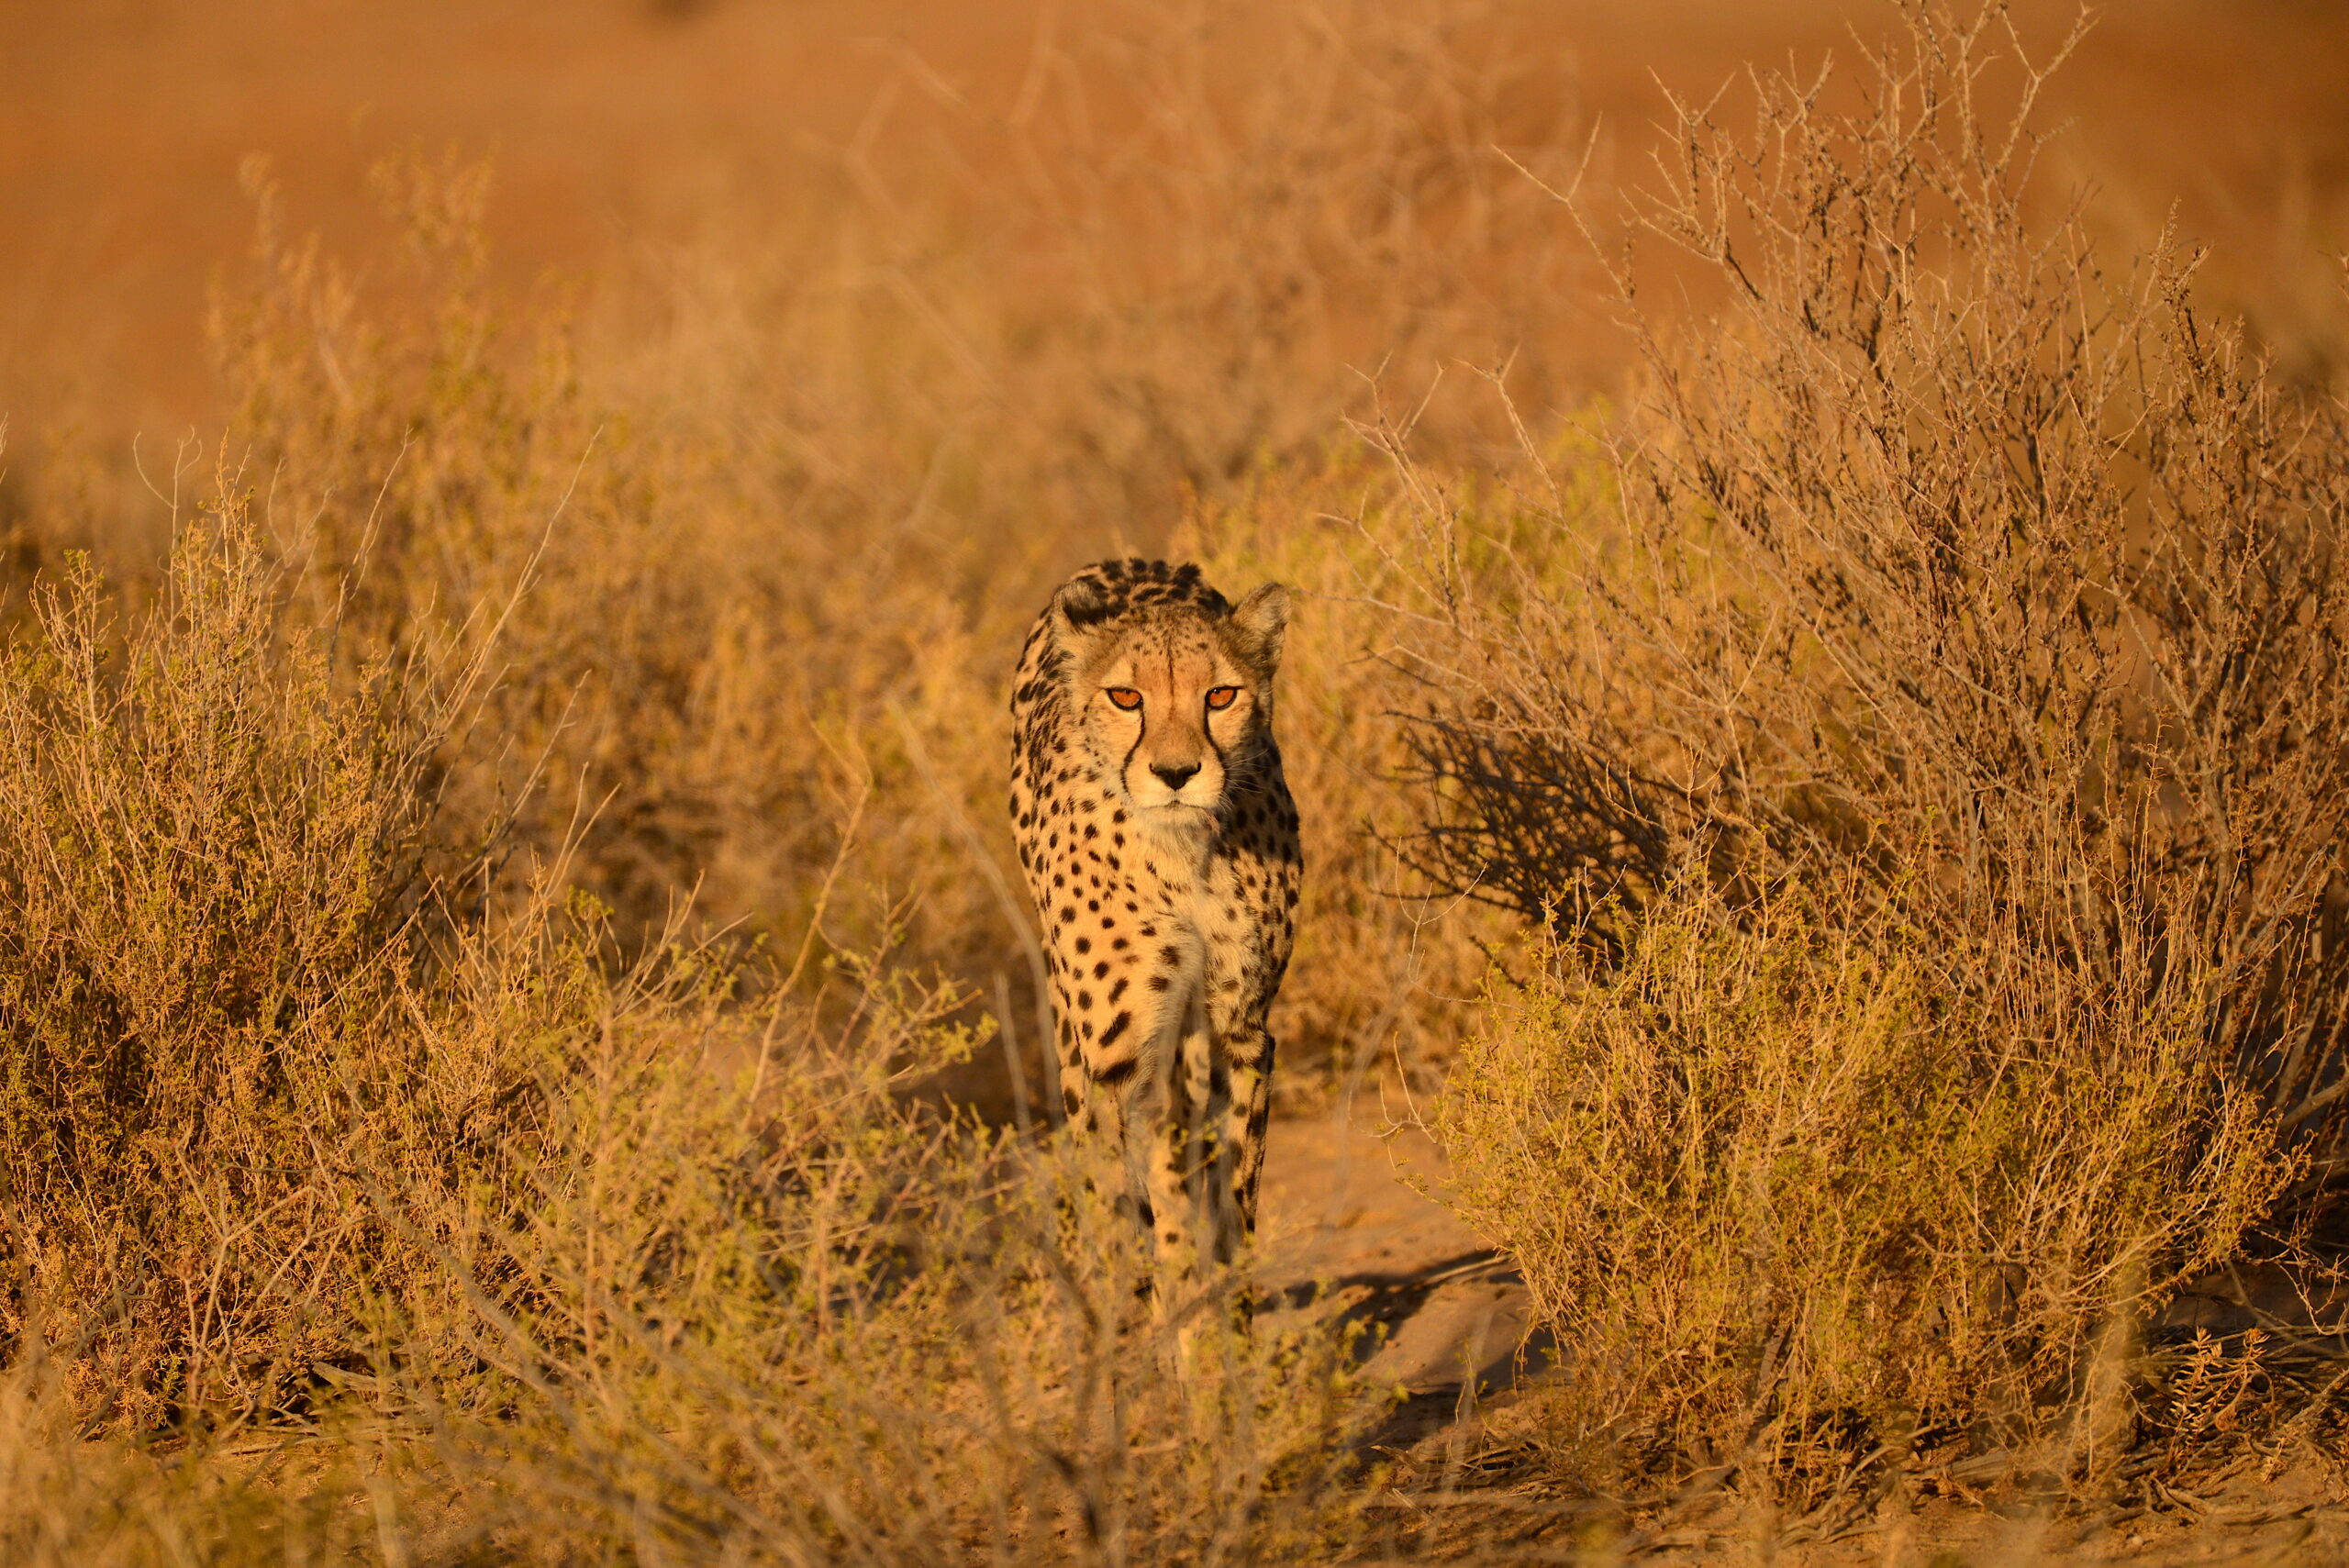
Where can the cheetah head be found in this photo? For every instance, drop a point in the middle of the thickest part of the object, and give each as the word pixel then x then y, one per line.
pixel 1173 697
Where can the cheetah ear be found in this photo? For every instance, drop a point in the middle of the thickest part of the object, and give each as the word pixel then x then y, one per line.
pixel 1259 624
pixel 1081 606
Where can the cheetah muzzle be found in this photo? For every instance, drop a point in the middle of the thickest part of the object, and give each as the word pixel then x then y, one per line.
pixel 1158 838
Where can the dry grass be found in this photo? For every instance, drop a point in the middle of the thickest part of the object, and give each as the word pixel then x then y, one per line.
pixel 217 866
pixel 1825 1207
pixel 500 922
pixel 449 1077
pixel 307 1142
pixel 1925 742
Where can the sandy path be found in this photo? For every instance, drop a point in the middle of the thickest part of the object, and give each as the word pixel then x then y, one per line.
pixel 1346 1231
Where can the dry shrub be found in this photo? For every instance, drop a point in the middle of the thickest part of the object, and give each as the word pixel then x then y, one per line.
pixel 67 1501
pixel 1327 208
pixel 514 1247
pixel 1797 1195
pixel 1943 560
pixel 1993 604
pixel 1192 239
pixel 215 863
pixel 984 366
pixel 785 1320
pixel 431 447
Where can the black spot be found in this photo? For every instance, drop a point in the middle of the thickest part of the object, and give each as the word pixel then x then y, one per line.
pixel 1084 1001
pixel 1084 944
pixel 1101 971
pixel 1117 1073
pixel 1117 1026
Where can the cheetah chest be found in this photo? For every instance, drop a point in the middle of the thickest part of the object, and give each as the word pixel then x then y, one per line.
pixel 1155 935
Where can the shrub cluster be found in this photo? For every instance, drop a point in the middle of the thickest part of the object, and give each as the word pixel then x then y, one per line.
pixel 1801 1197
pixel 503 1244
pixel 1914 732
pixel 1928 747
pixel 216 867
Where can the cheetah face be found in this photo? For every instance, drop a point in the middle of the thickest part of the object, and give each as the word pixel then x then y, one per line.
pixel 1174 702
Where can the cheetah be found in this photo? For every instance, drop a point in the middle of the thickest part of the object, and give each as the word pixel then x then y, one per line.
pixel 1159 840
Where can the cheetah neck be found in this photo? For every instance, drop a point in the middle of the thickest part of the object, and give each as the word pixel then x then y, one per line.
pixel 1180 839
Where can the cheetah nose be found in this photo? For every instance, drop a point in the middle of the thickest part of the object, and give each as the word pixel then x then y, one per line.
pixel 1174 775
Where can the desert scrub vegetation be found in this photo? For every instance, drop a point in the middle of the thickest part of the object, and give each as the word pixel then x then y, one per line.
pixel 722 640
pixel 506 904
pixel 215 865
pixel 471 1231
pixel 1923 741
pixel 1827 1200
pixel 496 887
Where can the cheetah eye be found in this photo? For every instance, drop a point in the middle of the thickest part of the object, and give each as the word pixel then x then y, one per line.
pixel 1125 697
pixel 1221 697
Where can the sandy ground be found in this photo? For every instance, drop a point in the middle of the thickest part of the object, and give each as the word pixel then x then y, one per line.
pixel 1346 1211
pixel 1348 1230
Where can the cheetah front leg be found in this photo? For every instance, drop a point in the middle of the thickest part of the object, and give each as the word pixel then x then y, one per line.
pixel 1170 1124
pixel 1247 1118
pixel 1196 1149
pixel 1184 1164
pixel 1142 1072
pixel 1214 1173
pixel 1126 1019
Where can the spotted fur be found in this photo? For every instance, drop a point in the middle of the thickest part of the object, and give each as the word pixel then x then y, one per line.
pixel 1161 845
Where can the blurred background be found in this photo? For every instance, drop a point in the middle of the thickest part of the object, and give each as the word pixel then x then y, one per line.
pixel 625 130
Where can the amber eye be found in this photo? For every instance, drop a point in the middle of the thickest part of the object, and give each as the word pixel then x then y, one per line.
pixel 1125 697
pixel 1222 697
